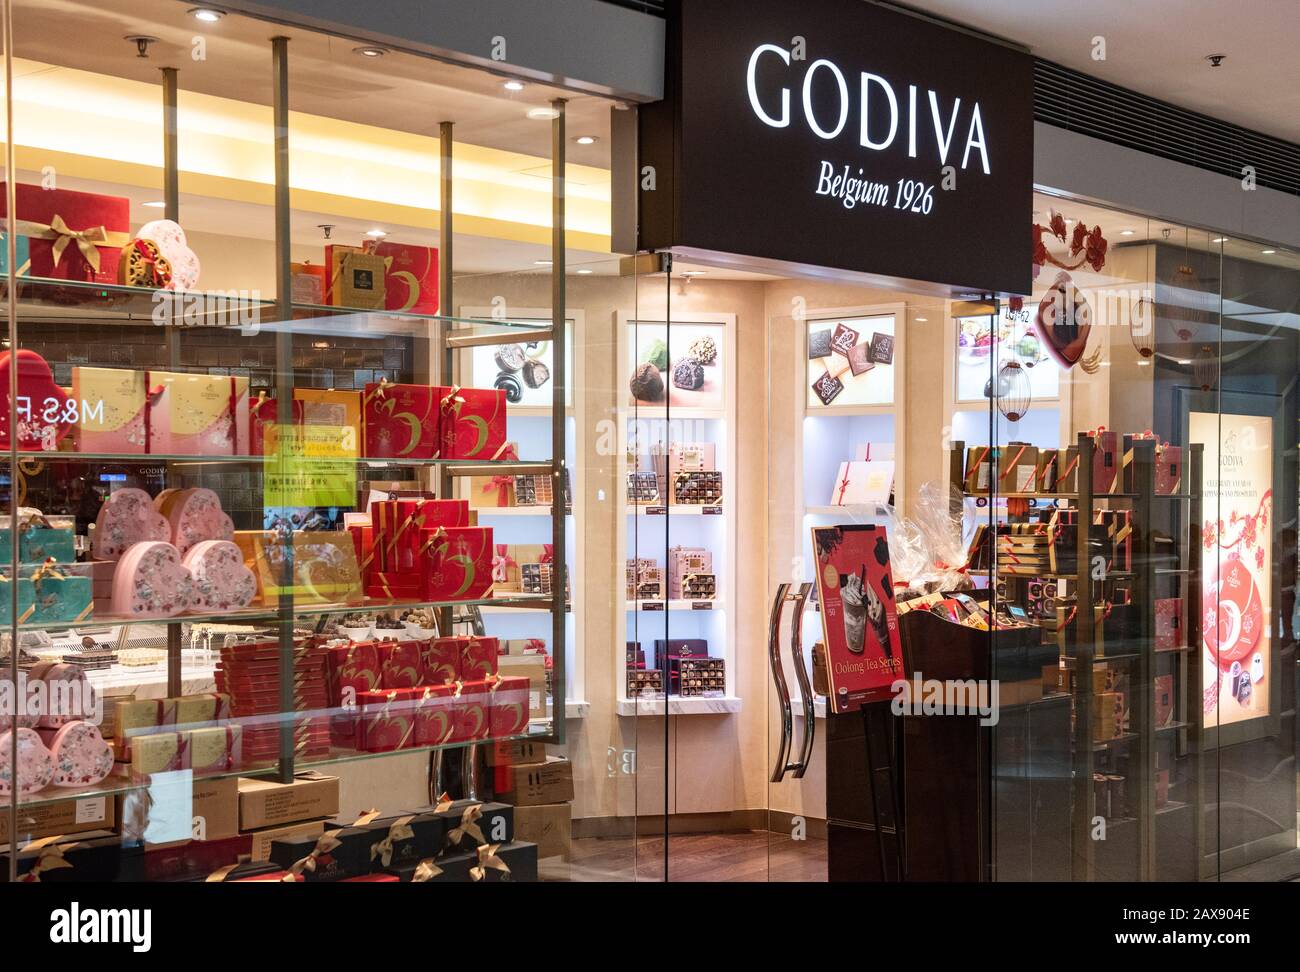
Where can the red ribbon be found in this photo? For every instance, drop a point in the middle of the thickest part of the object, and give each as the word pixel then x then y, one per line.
pixel 162 276
pixel 844 485
pixel 502 485
pixel 548 553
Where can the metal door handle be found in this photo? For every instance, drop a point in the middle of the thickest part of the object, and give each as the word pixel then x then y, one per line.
pixel 782 765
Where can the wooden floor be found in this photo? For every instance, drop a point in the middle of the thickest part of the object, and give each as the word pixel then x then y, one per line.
pixel 744 856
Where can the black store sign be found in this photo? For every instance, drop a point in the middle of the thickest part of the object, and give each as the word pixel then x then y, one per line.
pixel 839 134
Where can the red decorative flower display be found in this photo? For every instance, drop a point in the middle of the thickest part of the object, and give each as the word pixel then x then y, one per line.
pixel 1086 246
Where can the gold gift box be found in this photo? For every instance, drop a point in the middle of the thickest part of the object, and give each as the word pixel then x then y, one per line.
pixel 325 569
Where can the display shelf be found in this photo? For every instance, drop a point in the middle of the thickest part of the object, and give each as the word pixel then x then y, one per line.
pixel 705 415
pixel 676 509
pixel 516 511
pixel 679 706
pixel 854 510
pixel 661 605
pixel 457 466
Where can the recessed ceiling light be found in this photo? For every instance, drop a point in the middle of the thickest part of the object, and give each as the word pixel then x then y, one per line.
pixel 1268 252
pixel 543 114
pixel 586 270
pixel 922 319
pixel 694 273
pixel 1219 239
pixel 1127 232
pixel 1143 362
pixel 586 139
pixel 1184 361
pixel 541 263
pixel 155 204
pixel 370 51
pixel 209 15
pixel 377 233
pixel 513 85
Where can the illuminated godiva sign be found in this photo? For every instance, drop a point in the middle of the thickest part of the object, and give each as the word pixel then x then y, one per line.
pixel 838 134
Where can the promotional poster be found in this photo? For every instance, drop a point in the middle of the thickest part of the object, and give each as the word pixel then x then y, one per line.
pixel 1237 554
pixel 864 652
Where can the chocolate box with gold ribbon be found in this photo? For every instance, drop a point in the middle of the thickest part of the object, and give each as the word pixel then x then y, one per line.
pixel 336 854
pixel 469 823
pixel 410 276
pixel 387 719
pixel 456 563
pixel 401 421
pixel 473 423
pixel 405 839
pixel 71 235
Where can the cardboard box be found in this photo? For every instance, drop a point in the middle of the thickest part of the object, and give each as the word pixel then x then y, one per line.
pixel 549 826
pixel 513 752
pixel 533 668
pixel 263 803
pixel 261 849
pixel 533 784
pixel 216 807
pixel 61 817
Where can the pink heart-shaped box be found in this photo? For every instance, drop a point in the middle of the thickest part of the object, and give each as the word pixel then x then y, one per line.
pixel 221 580
pixel 151 582
pixel 35 763
pixel 81 757
pixel 127 517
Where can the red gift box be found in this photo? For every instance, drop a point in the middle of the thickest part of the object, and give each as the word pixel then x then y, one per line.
pixel 1105 461
pixel 400 664
pixel 72 235
pixel 473 423
pixel 401 421
pixel 395 586
pixel 1169 623
pixel 471 705
pixel 508 708
pixel 363 541
pixel 478 658
pixel 353 669
pixel 411 278
pixel 410 517
pixel 261 413
pixel 1169 469
pixel 387 720
pixel 435 715
pixel 441 657
pixel 456 563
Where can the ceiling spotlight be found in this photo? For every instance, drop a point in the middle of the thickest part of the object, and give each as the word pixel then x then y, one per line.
pixel 376 234
pixel 513 85
pixel 1268 252
pixel 369 51
pixel 694 273
pixel 541 263
pixel 209 15
pixel 155 204
pixel 543 114
pixel 1216 59
pixel 1127 232
pixel 1219 239
pixel 585 270
pixel 1184 361
pixel 586 139
pixel 922 320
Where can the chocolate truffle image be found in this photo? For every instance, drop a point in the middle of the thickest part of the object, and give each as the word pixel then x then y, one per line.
pixel 514 391
pixel 646 385
pixel 509 358
pixel 704 350
pixel 688 374
pixel 656 353
pixel 536 374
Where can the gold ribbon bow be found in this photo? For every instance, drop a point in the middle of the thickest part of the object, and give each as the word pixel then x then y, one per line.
pixel 426 870
pixel 399 830
pixel 45 570
pixel 62 234
pixel 443 803
pixel 468 825
pixel 324 845
pixel 452 401
pixel 487 857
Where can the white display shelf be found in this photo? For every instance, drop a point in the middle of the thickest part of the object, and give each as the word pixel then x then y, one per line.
pixel 515 511
pixel 543 608
pixel 675 509
pixel 722 705
pixel 651 605
pixel 644 530
pixel 867 509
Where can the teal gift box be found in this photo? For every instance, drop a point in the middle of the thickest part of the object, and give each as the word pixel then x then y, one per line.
pixel 37 544
pixel 58 598
pixel 22 252
pixel 26 599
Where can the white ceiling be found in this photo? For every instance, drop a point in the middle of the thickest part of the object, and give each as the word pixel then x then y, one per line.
pixel 1158 47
